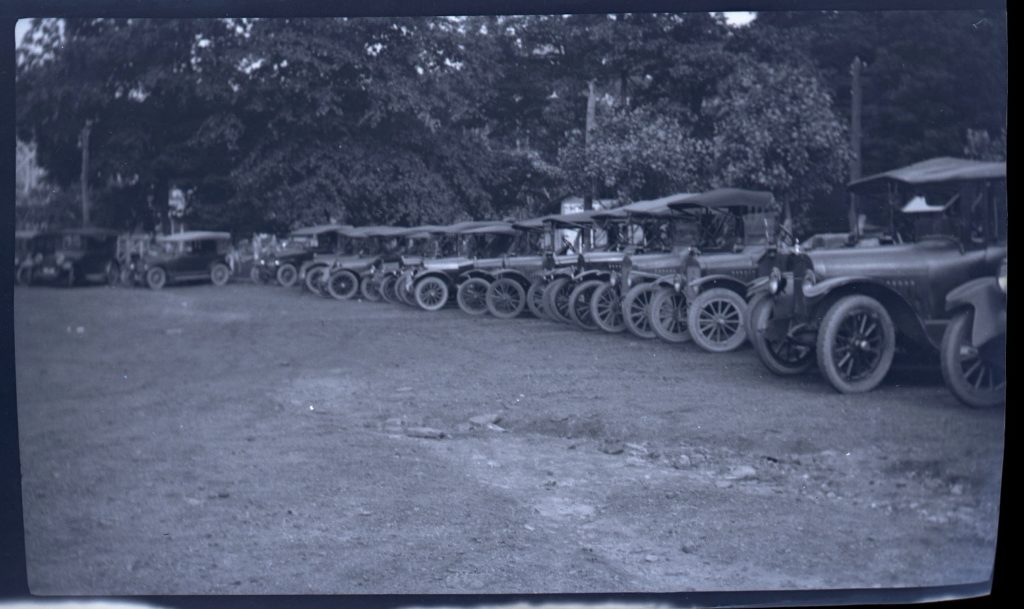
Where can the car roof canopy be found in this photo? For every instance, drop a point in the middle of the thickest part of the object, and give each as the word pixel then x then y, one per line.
pixel 934 171
pixel 497 228
pixel 195 235
pixel 319 229
pixel 652 207
pixel 530 224
pixel 582 218
pixel 89 231
pixel 732 199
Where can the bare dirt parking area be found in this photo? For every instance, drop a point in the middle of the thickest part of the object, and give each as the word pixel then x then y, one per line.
pixel 259 440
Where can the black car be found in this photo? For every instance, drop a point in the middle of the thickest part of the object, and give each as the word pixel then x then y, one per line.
pixel 302 245
pixel 191 255
pixel 73 256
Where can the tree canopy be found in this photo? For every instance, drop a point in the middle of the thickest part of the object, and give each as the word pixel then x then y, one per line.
pixel 268 124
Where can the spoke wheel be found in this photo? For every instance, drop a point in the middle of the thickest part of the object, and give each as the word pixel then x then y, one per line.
pixel 535 299
pixel 370 289
pixel 342 285
pixel 113 274
pixel 667 314
pixel 784 357
pixel 506 298
pixel 314 279
pixel 287 275
pixel 606 308
pixel 156 278
pixel 975 375
pixel 387 289
pixel 636 308
pixel 715 320
pixel 431 294
pixel 856 344
pixel 472 296
pixel 556 299
pixel 220 274
pixel 579 304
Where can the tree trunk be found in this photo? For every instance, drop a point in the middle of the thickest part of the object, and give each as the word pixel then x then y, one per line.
pixel 855 136
pixel 588 197
pixel 84 143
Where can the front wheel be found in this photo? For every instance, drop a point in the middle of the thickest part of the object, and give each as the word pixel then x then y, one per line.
pixel 856 344
pixel 668 313
pixel 472 296
pixel 156 278
pixel 636 308
pixel 287 275
pixel 431 294
pixel 370 289
pixel 606 309
pixel 785 357
pixel 255 276
pixel 220 274
pixel 24 275
pixel 535 299
pixel 387 289
pixel 556 299
pixel 314 279
pixel 715 320
pixel 342 285
pixel 975 375
pixel 506 298
pixel 113 272
pixel 579 304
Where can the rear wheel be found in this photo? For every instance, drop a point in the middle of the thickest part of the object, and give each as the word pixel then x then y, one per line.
pixel 856 344
pixel 156 278
pixel 370 289
pixel 579 304
pixel 506 298
pixel 715 320
pixel 431 294
pixel 472 296
pixel 556 299
pixel 24 275
pixel 113 272
pixel 606 308
pixel 342 285
pixel 975 375
pixel 255 276
pixel 314 279
pixel 535 299
pixel 387 289
pixel 784 357
pixel 635 310
pixel 287 275
pixel 667 313
pixel 220 274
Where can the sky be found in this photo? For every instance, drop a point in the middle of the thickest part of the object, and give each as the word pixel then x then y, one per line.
pixel 734 18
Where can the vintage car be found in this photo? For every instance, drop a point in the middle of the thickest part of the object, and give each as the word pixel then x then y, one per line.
pixel 186 256
pixel 621 301
pixel 353 243
pixel 502 289
pixel 73 256
pixel 22 254
pixel 933 284
pixel 345 276
pixel 301 245
pixel 705 299
pixel 418 243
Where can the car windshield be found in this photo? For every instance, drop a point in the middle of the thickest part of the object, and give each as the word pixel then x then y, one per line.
pixel 72 242
pixel 530 243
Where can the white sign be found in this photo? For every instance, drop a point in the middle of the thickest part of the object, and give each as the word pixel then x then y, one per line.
pixel 176 201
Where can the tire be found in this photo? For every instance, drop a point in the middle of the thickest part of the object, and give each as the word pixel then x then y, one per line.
pixel 314 279
pixel 431 293
pixel 636 310
pixel 556 300
pixel 370 289
pixel 606 309
pixel 387 289
pixel 976 376
pixel 71 280
pixel 342 285
pixel 23 276
pixel 156 278
pixel 113 272
pixel 716 320
pixel 667 314
pixel 784 358
pixel 535 299
pixel 579 307
pixel 287 275
pixel 220 274
pixel 405 296
pixel 506 298
pixel 858 331
pixel 472 296
pixel 255 275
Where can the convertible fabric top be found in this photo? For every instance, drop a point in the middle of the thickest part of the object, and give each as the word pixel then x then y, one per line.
pixel 319 229
pixel 653 207
pixel 105 232
pixel 194 235
pixel 933 171
pixel 726 198
pixel 529 224
pixel 576 219
pixel 362 232
pixel 498 228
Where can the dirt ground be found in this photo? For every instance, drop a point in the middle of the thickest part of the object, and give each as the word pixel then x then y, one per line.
pixel 255 439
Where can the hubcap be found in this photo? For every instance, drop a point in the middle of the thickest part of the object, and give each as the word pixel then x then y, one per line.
pixel 719 321
pixel 857 349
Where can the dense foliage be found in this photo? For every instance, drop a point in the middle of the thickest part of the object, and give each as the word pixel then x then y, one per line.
pixel 273 123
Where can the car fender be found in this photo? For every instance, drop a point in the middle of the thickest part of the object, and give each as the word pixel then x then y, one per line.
pixel 715 281
pixel 514 274
pixel 474 274
pixel 593 274
pixel 989 304
pixel 420 276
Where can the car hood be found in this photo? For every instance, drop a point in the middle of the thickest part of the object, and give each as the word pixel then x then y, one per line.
pixel 447 264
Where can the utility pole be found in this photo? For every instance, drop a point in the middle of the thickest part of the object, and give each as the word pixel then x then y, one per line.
pixel 588 197
pixel 855 136
pixel 84 143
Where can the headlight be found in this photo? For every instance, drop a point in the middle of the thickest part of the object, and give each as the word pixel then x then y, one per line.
pixel 677 283
pixel 614 279
pixel 774 281
pixel 277 263
pixel 1002 276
